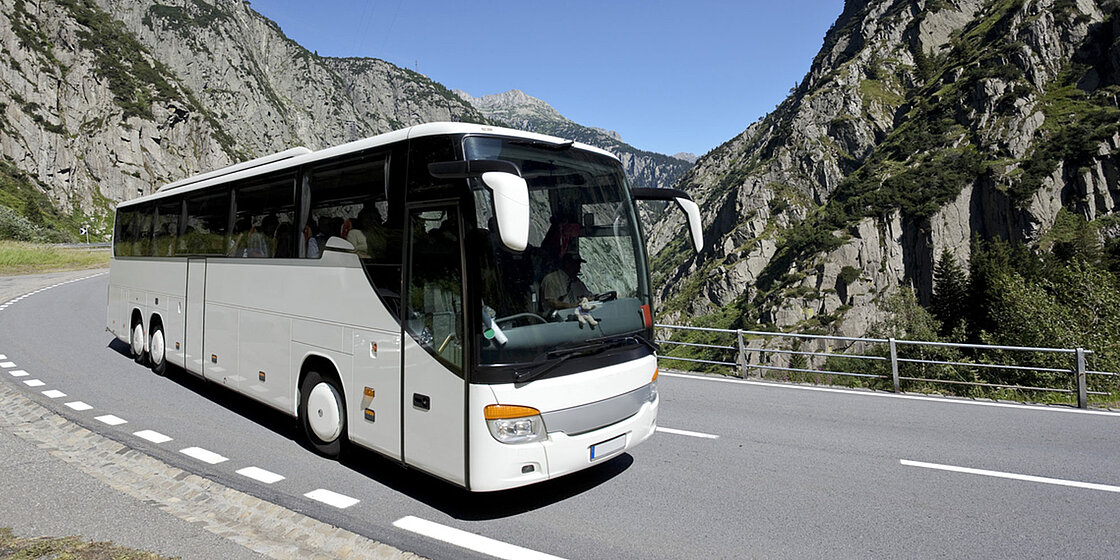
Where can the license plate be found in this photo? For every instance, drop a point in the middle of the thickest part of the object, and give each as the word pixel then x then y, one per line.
pixel 609 447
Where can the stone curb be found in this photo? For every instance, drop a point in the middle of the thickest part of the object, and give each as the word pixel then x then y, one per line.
pixel 261 526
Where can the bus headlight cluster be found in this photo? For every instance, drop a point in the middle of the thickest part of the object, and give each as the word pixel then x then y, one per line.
pixel 653 386
pixel 514 424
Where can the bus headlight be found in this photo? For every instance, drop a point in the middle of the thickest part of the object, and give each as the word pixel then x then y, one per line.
pixel 514 424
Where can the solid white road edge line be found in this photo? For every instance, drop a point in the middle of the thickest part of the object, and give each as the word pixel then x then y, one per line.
pixel 260 475
pixel 331 498
pixel 687 433
pixel 893 395
pixel 1012 476
pixel 203 455
pixel 470 541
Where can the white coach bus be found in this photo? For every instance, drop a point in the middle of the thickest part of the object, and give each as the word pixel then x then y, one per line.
pixel 470 301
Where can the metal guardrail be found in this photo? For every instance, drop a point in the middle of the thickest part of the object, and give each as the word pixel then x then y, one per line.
pixel 763 358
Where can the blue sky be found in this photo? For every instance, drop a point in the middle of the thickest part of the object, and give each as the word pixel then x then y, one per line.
pixel 682 76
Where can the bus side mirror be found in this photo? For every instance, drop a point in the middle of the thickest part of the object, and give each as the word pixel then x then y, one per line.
pixel 686 204
pixel 511 207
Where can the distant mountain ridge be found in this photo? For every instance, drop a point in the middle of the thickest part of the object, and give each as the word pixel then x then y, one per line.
pixel 523 111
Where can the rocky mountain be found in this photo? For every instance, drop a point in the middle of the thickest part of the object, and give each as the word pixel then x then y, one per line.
pixel 519 110
pixel 105 100
pixel 923 125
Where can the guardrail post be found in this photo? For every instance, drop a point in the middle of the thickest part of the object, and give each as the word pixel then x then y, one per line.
pixel 1082 382
pixel 894 366
pixel 742 354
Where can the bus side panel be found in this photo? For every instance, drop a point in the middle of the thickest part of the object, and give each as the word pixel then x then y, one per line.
pixel 263 367
pixel 373 400
pixel 154 287
pixel 434 412
pixel 116 319
pixel 225 281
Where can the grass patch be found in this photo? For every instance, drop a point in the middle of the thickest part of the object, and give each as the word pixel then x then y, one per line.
pixel 68 548
pixel 17 257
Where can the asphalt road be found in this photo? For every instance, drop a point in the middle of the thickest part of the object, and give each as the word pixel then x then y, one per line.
pixel 791 472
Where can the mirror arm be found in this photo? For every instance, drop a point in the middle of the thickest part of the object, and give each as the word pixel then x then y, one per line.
pixel 684 202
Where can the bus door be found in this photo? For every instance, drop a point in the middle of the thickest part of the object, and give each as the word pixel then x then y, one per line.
pixel 196 303
pixel 434 384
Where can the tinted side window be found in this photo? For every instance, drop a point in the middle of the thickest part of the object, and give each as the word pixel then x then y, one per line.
pixel 124 232
pixel 264 226
pixel 142 247
pixel 207 225
pixel 347 200
pixel 168 213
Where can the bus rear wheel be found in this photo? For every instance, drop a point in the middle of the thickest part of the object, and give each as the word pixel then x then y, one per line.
pixel 322 413
pixel 157 353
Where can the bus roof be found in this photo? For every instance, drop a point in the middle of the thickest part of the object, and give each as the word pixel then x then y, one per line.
pixel 298 156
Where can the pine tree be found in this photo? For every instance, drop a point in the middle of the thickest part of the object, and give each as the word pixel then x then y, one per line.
pixel 950 293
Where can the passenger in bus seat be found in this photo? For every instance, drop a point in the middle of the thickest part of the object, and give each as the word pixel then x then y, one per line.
pixel 310 239
pixel 356 236
pixel 239 241
pixel 283 241
pixel 268 232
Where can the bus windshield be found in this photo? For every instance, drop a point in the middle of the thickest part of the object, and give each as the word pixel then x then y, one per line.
pixel 581 280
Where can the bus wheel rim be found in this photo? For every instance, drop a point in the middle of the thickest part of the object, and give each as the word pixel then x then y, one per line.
pixel 138 339
pixel 157 347
pixel 323 412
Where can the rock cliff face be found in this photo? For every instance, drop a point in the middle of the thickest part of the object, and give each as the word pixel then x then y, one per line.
pixel 921 125
pixel 519 110
pixel 105 100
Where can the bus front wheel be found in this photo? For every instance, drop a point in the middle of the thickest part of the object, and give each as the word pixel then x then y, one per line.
pixel 322 413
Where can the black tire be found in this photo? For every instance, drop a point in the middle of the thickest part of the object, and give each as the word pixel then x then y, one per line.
pixel 322 413
pixel 157 350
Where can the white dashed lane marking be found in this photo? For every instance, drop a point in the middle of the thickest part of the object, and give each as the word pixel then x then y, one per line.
pixel 331 498
pixel 7 365
pixel 469 541
pixel 1012 476
pixel 34 383
pixel 79 406
pixel 54 394
pixel 260 475
pixel 203 455
pixel 3 357
pixel 152 436
pixel 687 433
pixel 111 420
pixel 19 373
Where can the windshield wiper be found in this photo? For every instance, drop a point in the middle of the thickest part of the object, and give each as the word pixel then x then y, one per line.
pixel 564 354
pixel 637 338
